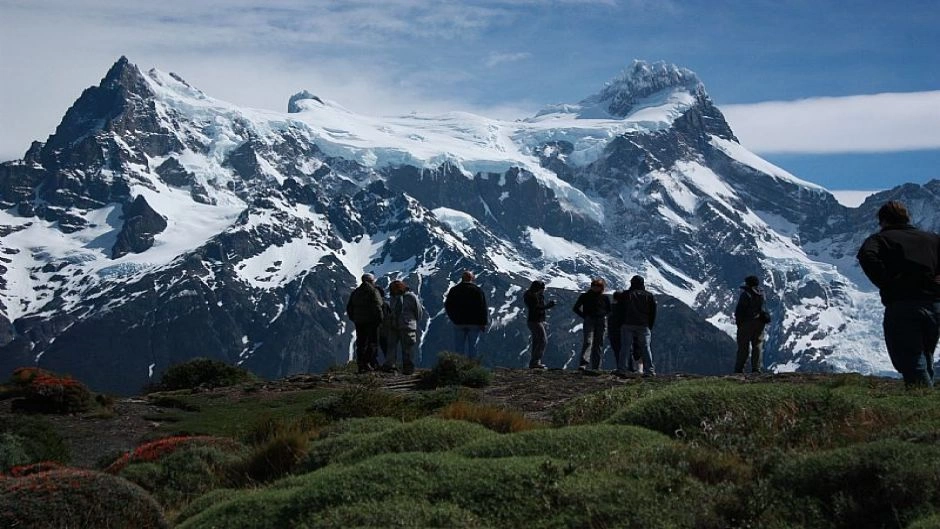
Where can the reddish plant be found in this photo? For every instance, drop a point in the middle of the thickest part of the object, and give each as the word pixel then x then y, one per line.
pixel 155 450
pixel 34 468
pixel 46 392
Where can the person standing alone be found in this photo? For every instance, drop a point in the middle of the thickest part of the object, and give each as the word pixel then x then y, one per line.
pixel 904 263
pixel 364 308
pixel 750 318
pixel 593 307
pixel 465 305
pixel 534 299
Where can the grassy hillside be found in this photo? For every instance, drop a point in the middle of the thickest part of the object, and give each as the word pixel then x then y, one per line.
pixel 531 449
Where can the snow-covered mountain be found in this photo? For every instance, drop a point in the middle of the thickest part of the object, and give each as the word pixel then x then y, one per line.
pixel 157 224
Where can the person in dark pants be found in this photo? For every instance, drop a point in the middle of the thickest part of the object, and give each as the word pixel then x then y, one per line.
pixel 639 316
pixel 465 305
pixel 614 322
pixel 384 327
pixel 904 263
pixel 750 318
pixel 364 308
pixel 534 299
pixel 593 307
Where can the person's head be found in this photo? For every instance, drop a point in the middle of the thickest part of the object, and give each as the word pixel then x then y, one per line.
pixel 751 281
pixel 467 276
pixel 397 287
pixel 537 286
pixel 368 278
pixel 893 213
pixel 637 282
pixel 598 284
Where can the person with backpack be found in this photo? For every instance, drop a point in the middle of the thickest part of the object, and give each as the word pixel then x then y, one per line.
pixel 534 299
pixel 638 307
pixel 406 312
pixel 364 308
pixel 593 307
pixel 750 318
pixel 465 305
pixel 904 263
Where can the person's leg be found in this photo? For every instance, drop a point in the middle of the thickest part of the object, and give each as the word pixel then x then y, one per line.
pixel 408 341
pixel 629 346
pixel 903 327
pixel 744 345
pixel 473 337
pixel 539 341
pixel 644 338
pixel 372 348
pixel 459 339
pixel 587 333
pixel 392 353
pixel 931 338
pixel 597 345
pixel 757 348
pixel 361 346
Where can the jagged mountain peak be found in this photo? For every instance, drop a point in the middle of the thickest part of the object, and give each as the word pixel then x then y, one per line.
pixel 294 106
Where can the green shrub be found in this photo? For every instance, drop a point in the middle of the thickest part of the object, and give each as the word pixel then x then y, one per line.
pixel 495 418
pixel 747 419
pixel 12 451
pixel 455 370
pixel 359 426
pixel 41 391
pixel 423 435
pixel 182 475
pixel 368 400
pixel 881 484
pixel 932 522
pixel 599 406
pixel 269 427
pixel 274 458
pixel 203 372
pixel 38 438
pixel 76 498
pixel 393 512
pixel 582 443
pixel 203 502
pixel 156 450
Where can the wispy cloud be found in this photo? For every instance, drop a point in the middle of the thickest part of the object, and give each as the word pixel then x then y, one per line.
pixel 864 123
pixel 495 59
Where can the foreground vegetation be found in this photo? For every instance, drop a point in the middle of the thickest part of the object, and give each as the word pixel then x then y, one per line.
pixel 839 451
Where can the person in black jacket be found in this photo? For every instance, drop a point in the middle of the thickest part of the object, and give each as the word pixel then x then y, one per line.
pixel 749 316
pixel 593 307
pixel 534 299
pixel 638 308
pixel 465 305
pixel 614 322
pixel 364 308
pixel 904 263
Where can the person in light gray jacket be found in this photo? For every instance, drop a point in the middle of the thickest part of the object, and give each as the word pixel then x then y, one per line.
pixel 406 312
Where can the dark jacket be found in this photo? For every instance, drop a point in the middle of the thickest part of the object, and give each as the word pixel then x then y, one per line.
pixel 903 262
pixel 466 305
pixel 637 307
pixel 535 302
pixel 750 305
pixel 365 305
pixel 592 304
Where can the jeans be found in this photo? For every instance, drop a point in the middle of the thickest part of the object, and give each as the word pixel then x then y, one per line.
pixel 406 340
pixel 367 343
pixel 539 340
pixel 750 339
pixel 911 332
pixel 466 338
pixel 635 341
pixel 594 341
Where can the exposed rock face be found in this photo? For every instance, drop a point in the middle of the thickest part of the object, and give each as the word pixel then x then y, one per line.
pixel 293 107
pixel 141 223
pixel 261 229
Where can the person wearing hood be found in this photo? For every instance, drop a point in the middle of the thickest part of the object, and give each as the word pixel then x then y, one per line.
pixel 364 308
pixel 534 299
pixel 406 312
pixel 593 307
pixel 638 308
pixel 904 263
pixel 750 318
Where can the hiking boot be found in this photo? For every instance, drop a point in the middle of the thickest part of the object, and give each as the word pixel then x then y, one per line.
pixel 538 366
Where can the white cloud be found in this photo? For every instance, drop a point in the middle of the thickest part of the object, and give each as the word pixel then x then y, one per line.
pixel 495 59
pixel 864 123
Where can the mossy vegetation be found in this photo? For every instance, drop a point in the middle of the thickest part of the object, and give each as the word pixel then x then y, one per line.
pixel 827 451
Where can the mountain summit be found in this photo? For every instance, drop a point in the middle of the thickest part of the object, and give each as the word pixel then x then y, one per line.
pixel 158 224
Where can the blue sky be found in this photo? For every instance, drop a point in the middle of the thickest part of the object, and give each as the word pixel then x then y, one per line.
pixel 507 58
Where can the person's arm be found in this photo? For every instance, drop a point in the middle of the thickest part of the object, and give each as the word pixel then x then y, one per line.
pixel 486 313
pixel 349 305
pixel 652 311
pixel 740 308
pixel 869 258
pixel 377 306
pixel 578 306
pixel 449 303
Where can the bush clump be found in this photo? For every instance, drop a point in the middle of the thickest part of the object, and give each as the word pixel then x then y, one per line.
pixel 76 498
pixel 495 418
pixel 154 450
pixel 41 391
pixel 183 475
pixel 33 437
pixel 203 373
pixel 886 484
pixel 455 370
pixel 273 458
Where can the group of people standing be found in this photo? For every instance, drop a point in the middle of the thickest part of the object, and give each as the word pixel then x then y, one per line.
pixel 902 261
